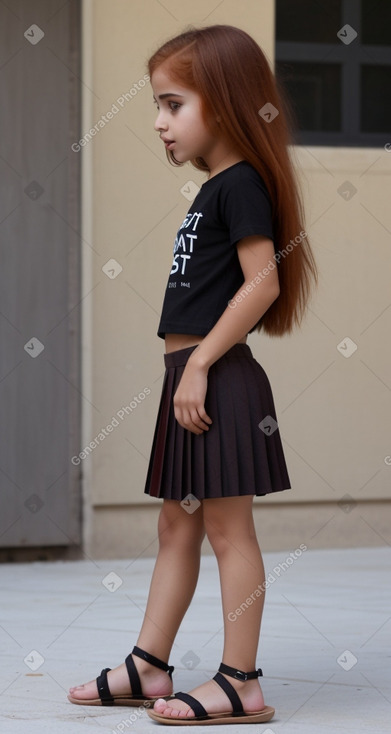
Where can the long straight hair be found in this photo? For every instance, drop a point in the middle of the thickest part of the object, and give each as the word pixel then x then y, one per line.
pixel 230 72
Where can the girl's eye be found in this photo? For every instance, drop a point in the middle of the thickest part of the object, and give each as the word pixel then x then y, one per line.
pixel 174 106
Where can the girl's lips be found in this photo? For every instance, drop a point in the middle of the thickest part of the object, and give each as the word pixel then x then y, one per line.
pixel 169 144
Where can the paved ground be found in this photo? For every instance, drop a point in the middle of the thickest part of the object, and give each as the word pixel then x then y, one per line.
pixel 325 644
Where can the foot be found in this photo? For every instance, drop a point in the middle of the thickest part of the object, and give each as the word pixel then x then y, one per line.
pixel 154 682
pixel 214 700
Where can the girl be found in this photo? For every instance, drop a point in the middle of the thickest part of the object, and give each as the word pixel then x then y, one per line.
pixel 242 262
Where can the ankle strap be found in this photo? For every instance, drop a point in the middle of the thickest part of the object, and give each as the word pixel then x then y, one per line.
pixel 152 660
pixel 238 674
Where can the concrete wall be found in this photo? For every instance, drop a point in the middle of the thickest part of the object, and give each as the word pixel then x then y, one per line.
pixel 333 409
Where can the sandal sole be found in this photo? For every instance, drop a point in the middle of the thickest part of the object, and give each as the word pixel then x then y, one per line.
pixel 257 717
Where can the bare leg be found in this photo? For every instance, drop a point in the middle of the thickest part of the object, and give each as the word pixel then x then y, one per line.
pixel 230 528
pixel 174 578
pixel 172 587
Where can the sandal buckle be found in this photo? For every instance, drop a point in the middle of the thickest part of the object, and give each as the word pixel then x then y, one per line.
pixel 240 675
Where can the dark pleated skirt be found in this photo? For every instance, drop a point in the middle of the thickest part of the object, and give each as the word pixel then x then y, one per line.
pixel 241 454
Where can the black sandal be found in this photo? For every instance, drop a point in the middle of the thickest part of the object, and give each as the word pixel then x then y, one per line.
pixel 236 716
pixel 136 698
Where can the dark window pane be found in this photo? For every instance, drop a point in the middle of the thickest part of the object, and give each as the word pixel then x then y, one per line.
pixel 376 22
pixel 375 99
pixel 314 91
pixel 308 21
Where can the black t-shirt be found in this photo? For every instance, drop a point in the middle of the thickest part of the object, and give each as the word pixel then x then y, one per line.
pixel 206 271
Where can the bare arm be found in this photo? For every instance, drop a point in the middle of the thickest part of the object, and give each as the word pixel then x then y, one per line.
pixel 238 318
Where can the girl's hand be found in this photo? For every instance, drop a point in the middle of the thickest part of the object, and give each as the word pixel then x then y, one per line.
pixel 189 399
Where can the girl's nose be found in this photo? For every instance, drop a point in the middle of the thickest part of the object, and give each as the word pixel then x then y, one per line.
pixel 159 123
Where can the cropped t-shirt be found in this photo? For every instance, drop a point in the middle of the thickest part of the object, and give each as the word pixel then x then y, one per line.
pixel 206 271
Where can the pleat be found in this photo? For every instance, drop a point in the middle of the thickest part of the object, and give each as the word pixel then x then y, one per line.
pixel 156 464
pixel 213 446
pixel 175 457
pixel 247 449
pixel 229 428
pixel 270 457
pixel 235 457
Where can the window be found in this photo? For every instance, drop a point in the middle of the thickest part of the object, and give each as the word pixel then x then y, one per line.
pixel 333 57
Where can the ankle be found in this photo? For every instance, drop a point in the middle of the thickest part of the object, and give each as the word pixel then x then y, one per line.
pixel 147 651
pixel 148 670
pixel 145 668
pixel 241 685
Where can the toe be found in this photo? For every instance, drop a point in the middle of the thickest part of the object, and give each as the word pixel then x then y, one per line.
pixel 84 692
pixel 170 711
pixel 160 705
pixel 75 690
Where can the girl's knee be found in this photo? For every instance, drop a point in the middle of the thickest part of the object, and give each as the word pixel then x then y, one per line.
pixel 229 523
pixel 218 541
pixel 176 526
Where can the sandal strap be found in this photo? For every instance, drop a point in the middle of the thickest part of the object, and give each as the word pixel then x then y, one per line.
pixel 103 688
pixel 134 677
pixel 239 674
pixel 153 660
pixel 229 690
pixel 197 707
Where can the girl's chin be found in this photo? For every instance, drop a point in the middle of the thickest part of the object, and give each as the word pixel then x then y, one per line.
pixel 180 157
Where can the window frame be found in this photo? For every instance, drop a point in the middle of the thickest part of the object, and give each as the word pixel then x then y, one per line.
pixel 351 57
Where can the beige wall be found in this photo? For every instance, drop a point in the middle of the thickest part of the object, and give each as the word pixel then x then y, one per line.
pixel 333 411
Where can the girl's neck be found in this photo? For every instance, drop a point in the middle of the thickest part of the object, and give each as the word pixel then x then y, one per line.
pixel 229 160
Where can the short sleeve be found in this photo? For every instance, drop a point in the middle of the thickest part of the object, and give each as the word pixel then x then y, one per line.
pixel 246 208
